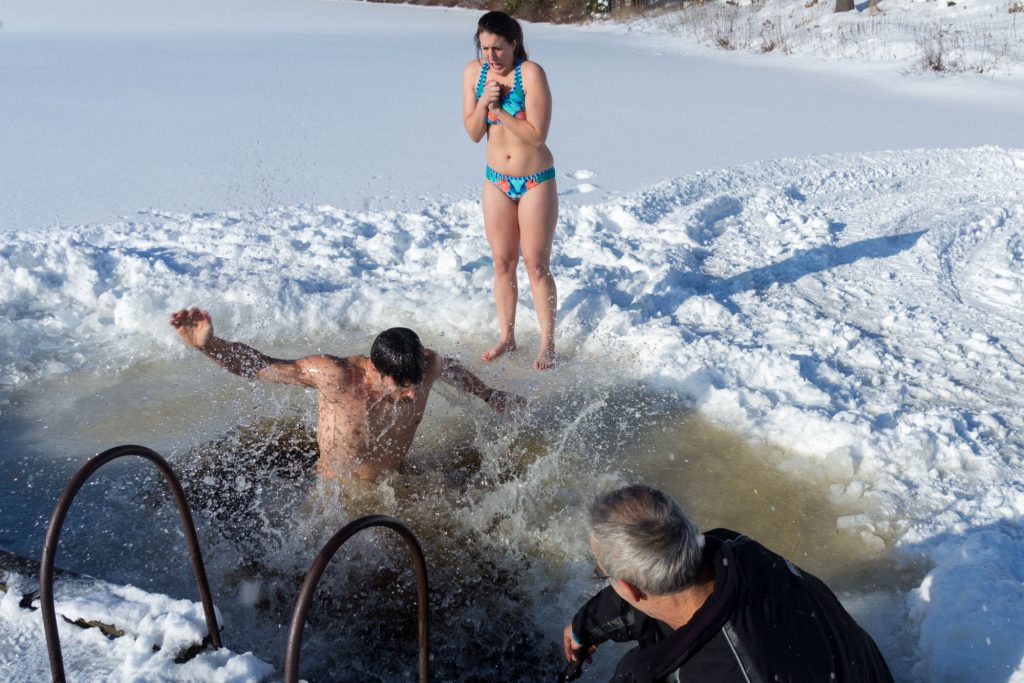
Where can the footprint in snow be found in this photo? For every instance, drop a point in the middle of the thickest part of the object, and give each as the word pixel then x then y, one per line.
pixel 581 188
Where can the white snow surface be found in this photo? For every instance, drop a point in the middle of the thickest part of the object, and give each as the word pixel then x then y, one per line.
pixel 860 310
pixel 156 630
pixel 939 36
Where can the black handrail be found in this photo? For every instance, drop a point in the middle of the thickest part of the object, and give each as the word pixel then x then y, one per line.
pixel 291 657
pixel 53 536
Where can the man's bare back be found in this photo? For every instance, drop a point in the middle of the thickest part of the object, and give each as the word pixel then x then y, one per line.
pixel 367 417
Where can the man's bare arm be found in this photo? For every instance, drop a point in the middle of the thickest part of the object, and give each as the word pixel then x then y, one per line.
pixel 455 373
pixel 195 328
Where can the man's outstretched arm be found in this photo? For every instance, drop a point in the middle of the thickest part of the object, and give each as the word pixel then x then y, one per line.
pixel 455 373
pixel 195 328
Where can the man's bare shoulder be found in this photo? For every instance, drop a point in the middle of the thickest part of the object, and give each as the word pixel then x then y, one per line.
pixel 327 369
pixel 435 364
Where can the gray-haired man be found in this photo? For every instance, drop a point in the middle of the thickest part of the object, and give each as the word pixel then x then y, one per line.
pixel 709 607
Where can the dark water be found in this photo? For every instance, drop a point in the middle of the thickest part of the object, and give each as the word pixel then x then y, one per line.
pixel 496 504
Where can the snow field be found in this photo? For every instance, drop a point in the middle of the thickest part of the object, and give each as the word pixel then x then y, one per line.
pixel 860 314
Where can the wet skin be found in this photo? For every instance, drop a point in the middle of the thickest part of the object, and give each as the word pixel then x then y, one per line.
pixel 366 421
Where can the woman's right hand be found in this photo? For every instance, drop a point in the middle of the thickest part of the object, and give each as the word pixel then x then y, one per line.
pixel 492 95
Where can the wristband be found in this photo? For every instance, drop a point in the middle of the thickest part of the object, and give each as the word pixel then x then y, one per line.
pixel 574 638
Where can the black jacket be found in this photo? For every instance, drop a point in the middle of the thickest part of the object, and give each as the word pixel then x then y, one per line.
pixel 766 621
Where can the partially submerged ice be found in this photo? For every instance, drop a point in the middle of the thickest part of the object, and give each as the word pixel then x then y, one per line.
pixel 111 632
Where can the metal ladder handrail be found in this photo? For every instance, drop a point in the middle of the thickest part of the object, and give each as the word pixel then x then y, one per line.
pixel 53 530
pixel 316 570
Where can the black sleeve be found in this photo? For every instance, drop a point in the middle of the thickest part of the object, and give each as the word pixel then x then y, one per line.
pixel 606 616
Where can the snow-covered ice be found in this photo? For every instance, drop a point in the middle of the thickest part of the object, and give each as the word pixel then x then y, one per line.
pixel 151 631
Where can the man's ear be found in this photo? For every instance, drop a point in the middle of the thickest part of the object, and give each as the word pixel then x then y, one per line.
pixel 634 593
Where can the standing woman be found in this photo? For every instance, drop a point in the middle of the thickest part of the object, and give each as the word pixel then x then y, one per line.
pixel 506 97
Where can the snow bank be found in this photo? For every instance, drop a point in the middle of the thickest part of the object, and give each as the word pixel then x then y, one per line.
pixel 155 629
pixel 971 607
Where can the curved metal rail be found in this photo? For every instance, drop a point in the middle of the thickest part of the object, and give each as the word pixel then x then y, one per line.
pixel 53 536
pixel 291 660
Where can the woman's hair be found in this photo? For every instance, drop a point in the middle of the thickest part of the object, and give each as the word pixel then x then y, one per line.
pixel 501 24
pixel 398 353
pixel 641 536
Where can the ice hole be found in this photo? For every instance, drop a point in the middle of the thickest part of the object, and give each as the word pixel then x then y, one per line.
pixel 498 505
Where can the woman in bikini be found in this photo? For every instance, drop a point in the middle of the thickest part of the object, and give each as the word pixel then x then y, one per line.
pixel 506 97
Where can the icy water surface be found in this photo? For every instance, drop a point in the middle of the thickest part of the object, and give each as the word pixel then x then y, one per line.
pixel 497 503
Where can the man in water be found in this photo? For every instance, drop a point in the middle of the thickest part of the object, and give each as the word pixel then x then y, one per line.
pixel 716 607
pixel 370 407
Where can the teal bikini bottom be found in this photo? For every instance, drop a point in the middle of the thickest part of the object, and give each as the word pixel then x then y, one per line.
pixel 516 186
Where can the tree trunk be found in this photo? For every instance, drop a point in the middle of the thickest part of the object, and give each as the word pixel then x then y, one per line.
pixel 844 5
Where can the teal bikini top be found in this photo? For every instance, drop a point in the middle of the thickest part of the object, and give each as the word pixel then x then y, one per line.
pixel 514 102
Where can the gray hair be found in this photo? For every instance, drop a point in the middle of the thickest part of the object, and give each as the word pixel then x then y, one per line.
pixel 643 537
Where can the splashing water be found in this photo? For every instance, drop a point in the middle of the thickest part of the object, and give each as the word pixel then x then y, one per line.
pixel 497 505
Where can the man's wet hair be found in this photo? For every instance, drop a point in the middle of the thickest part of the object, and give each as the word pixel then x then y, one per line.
pixel 642 536
pixel 398 353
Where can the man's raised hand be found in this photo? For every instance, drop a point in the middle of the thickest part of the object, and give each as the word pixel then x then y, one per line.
pixel 193 326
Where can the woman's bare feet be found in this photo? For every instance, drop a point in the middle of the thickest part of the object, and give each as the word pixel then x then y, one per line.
pixel 500 349
pixel 545 359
